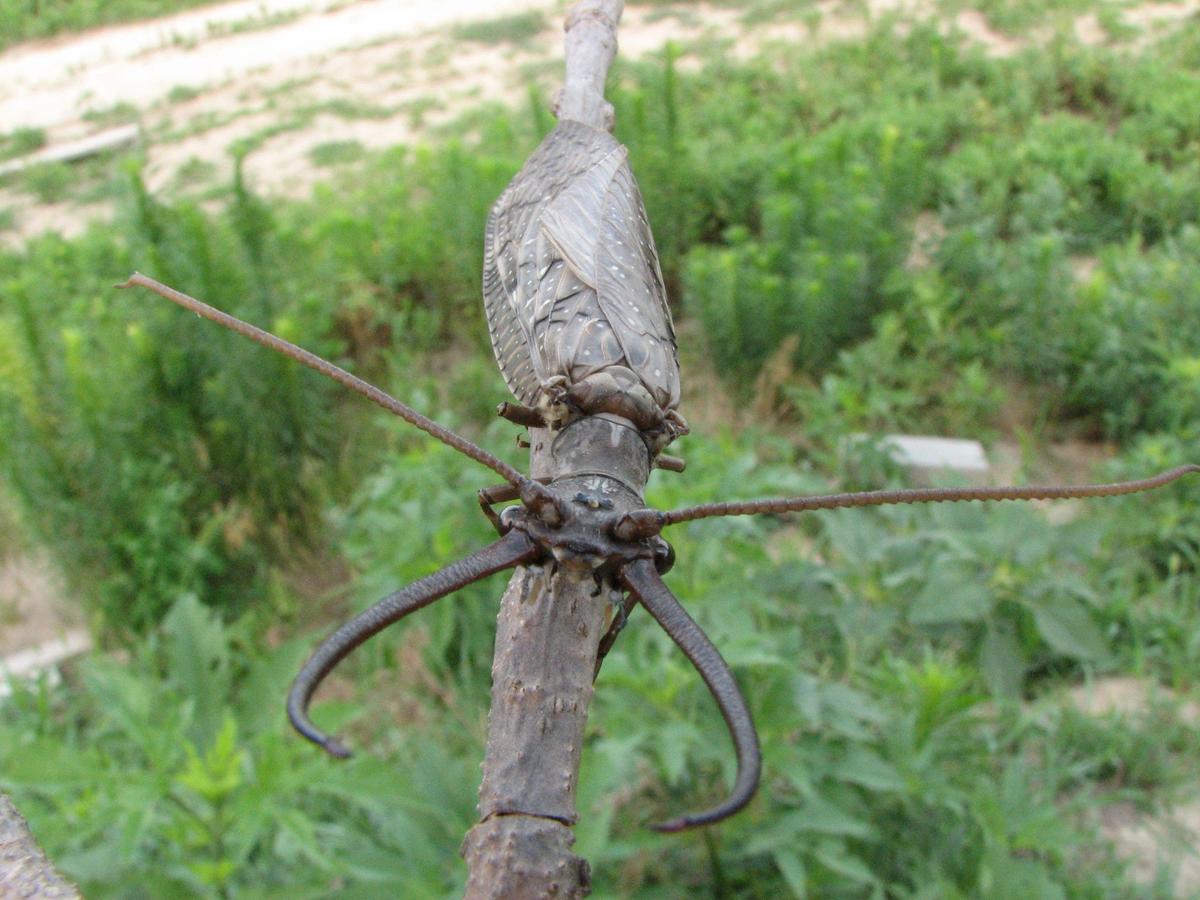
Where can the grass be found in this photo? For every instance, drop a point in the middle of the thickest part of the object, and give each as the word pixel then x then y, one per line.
pixel 518 29
pixel 195 173
pixel 117 114
pixel 95 179
pixel 182 94
pixel 336 153
pixel 23 20
pixel 904 665
pixel 49 182
pixel 258 22
pixel 21 142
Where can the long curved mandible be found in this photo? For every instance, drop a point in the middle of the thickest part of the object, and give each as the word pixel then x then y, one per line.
pixel 511 550
pixel 643 581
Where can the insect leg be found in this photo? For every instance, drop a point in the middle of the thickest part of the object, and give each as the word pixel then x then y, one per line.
pixel 620 617
pixel 670 463
pixel 500 493
pixel 521 415
pixel 642 580
pixel 511 550
pixel 490 496
pixel 664 561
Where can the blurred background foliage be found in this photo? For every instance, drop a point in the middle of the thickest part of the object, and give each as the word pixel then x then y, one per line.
pixel 877 235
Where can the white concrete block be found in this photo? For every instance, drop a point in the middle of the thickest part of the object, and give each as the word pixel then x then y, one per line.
pixel 937 453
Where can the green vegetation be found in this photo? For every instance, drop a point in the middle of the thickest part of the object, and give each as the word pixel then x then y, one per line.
pixel 23 20
pixel 117 114
pixel 97 178
pixel 336 153
pixel 891 233
pixel 517 29
pixel 182 93
pixel 21 142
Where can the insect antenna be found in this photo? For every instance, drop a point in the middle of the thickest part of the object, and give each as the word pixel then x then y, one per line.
pixel 338 374
pixel 645 522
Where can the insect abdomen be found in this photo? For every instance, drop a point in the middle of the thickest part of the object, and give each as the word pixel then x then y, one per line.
pixel 571 278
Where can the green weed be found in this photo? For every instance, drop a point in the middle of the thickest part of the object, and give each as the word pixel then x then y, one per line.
pixel 182 94
pixel 257 22
pixel 23 20
pixel 336 153
pixel 194 173
pixel 171 774
pixel 21 142
pixel 517 29
pixel 49 182
pixel 117 114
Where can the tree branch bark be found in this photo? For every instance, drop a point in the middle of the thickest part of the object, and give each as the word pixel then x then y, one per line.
pixel 591 46
pixel 549 628
pixel 24 869
pixel 551 619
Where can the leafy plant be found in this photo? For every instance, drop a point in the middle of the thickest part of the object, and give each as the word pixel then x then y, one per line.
pixel 145 453
pixel 172 776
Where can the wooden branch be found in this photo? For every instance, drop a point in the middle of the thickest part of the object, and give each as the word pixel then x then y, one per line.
pixel 547 636
pixel 24 869
pixel 551 619
pixel 591 46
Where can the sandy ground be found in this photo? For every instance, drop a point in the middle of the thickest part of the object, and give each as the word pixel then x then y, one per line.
pixel 294 77
pixel 32 606
pixel 1164 840
pixel 49 85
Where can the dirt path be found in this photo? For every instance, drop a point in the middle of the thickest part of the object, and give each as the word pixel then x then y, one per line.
pixel 50 85
pixel 308 84
pixel 287 78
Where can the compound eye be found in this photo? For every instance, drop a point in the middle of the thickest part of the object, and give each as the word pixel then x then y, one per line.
pixel 508 518
pixel 664 555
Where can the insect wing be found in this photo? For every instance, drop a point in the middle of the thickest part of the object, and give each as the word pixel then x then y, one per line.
pixel 510 341
pixel 518 255
pixel 631 292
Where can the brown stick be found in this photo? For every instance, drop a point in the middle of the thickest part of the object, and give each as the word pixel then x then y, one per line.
pixel 549 627
pixel 591 46
pixel 24 869
pixel 547 637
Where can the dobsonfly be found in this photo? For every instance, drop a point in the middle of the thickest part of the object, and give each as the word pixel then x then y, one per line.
pixel 580 327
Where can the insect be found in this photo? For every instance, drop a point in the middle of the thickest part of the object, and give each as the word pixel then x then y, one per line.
pixel 580 326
